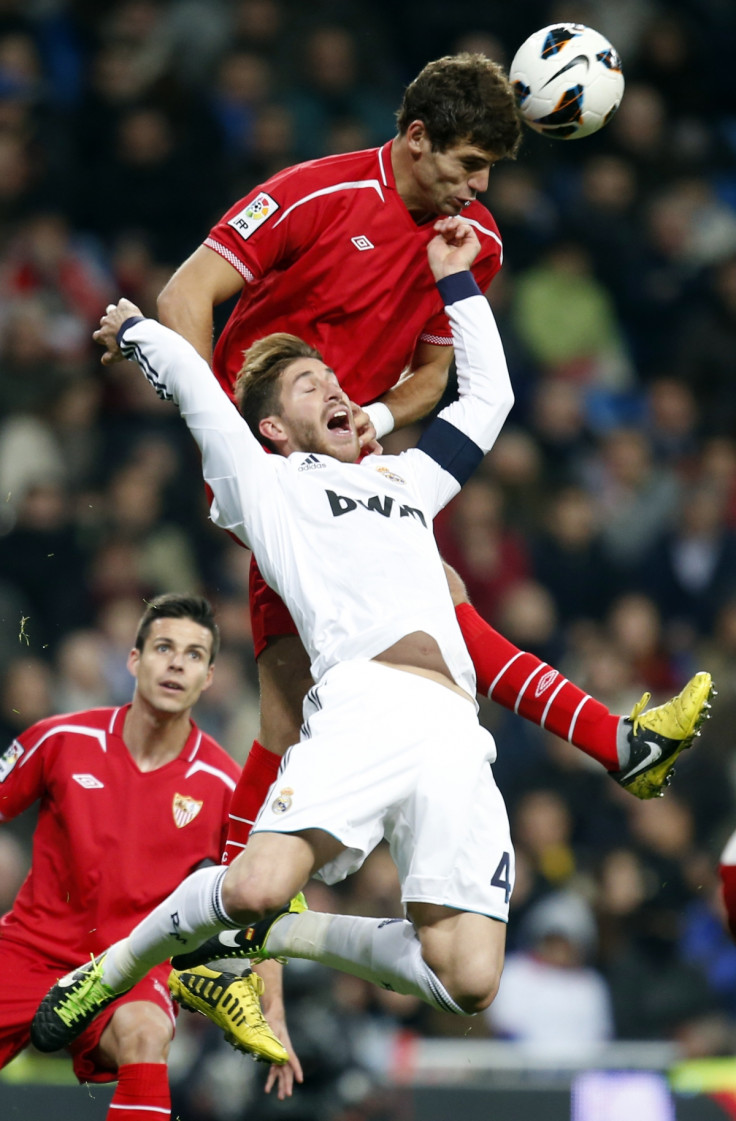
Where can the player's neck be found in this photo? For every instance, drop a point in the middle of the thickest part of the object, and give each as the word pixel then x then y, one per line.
pixel 154 738
pixel 402 165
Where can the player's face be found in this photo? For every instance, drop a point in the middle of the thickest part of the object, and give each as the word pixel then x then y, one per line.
pixel 315 414
pixel 173 668
pixel 445 182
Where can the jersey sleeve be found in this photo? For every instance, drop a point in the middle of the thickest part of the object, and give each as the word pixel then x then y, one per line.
pixel 465 430
pixel 237 469
pixel 22 777
pixel 267 228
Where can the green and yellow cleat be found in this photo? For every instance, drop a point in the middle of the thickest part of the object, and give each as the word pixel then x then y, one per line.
pixel 657 737
pixel 70 1006
pixel 233 1003
pixel 238 944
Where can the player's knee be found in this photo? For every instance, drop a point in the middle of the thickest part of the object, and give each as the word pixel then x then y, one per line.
pixel 248 898
pixel 471 979
pixel 139 1032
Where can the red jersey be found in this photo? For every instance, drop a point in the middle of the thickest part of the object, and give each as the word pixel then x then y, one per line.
pixel 112 841
pixel 329 252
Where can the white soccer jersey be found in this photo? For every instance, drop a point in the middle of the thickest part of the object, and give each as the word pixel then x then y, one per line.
pixel 348 547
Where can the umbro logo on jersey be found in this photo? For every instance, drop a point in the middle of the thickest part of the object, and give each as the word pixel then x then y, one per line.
pixel 258 211
pixel 311 463
pixel 362 243
pixel 89 782
pixel 545 681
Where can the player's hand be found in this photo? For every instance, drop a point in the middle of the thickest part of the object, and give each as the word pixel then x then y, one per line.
pixel 284 1075
pixel 453 248
pixel 369 445
pixel 110 323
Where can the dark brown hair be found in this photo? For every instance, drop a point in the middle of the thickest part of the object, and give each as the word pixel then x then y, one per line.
pixel 464 97
pixel 175 606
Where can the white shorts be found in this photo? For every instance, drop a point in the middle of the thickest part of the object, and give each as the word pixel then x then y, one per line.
pixel 385 753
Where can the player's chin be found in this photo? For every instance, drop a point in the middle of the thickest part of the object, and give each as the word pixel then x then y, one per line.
pixel 344 446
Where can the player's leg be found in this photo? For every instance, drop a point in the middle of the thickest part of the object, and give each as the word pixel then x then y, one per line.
pixel 26 978
pixel 284 678
pixel 522 682
pixel 188 917
pixel 727 870
pixel 136 1043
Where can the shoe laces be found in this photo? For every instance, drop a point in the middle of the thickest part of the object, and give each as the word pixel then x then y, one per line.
pixel 86 997
pixel 638 709
pixel 251 991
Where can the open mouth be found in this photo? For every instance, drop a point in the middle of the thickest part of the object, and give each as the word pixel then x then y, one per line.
pixel 174 686
pixel 339 421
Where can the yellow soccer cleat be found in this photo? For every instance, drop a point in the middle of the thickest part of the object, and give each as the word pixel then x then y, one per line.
pixel 233 1004
pixel 657 737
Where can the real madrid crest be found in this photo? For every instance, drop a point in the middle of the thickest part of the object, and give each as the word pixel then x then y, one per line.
pixel 282 801
pixel 185 809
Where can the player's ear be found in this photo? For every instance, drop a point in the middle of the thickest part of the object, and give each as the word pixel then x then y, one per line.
pixel 133 659
pixel 272 428
pixel 208 678
pixel 417 138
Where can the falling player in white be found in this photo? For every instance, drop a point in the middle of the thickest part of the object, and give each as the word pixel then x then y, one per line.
pixel 350 549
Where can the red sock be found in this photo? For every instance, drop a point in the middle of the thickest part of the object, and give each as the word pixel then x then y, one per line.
pixel 527 685
pixel 727 868
pixel 260 770
pixel 142 1093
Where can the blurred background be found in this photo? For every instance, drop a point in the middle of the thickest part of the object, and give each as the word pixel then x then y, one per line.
pixel 600 533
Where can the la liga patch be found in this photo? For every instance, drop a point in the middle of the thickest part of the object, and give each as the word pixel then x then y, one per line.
pixel 257 211
pixel 9 758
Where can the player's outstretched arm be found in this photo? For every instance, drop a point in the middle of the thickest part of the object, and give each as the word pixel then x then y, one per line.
pixel 187 301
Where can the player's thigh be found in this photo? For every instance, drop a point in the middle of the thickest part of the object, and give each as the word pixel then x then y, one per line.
pixel 284 679
pixel 272 868
pixel 138 1032
pixel 26 979
pixel 465 950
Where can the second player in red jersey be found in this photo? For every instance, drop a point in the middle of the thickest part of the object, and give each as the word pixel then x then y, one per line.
pixel 131 801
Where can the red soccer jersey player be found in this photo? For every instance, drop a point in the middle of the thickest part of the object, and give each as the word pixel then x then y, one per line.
pixel 132 800
pixel 333 251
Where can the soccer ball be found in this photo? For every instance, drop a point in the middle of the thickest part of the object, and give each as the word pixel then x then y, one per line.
pixel 568 81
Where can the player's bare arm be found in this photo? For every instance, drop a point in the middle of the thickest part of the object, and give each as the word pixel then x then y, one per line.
pixel 185 303
pixel 420 390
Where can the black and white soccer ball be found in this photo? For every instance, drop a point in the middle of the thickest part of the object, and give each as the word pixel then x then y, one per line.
pixel 568 80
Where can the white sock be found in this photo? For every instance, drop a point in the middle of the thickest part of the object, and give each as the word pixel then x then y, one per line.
pixel 385 951
pixel 188 917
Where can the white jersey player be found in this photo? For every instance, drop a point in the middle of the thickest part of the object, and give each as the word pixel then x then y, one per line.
pixel 349 547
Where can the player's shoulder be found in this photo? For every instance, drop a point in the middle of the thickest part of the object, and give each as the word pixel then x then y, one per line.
pixel 484 225
pixel 328 171
pixel 91 720
pixel 210 757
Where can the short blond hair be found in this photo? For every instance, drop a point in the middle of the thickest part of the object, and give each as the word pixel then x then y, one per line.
pixel 258 385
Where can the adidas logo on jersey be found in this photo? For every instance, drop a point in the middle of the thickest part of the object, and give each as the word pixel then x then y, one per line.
pixel 311 463
pixel 89 782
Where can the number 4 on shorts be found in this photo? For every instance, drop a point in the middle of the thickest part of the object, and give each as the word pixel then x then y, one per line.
pixel 501 877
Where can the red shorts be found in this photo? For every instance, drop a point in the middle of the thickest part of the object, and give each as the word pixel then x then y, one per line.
pixel 269 615
pixel 26 978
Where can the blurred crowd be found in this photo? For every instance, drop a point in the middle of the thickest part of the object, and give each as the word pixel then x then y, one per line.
pixel 600 532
